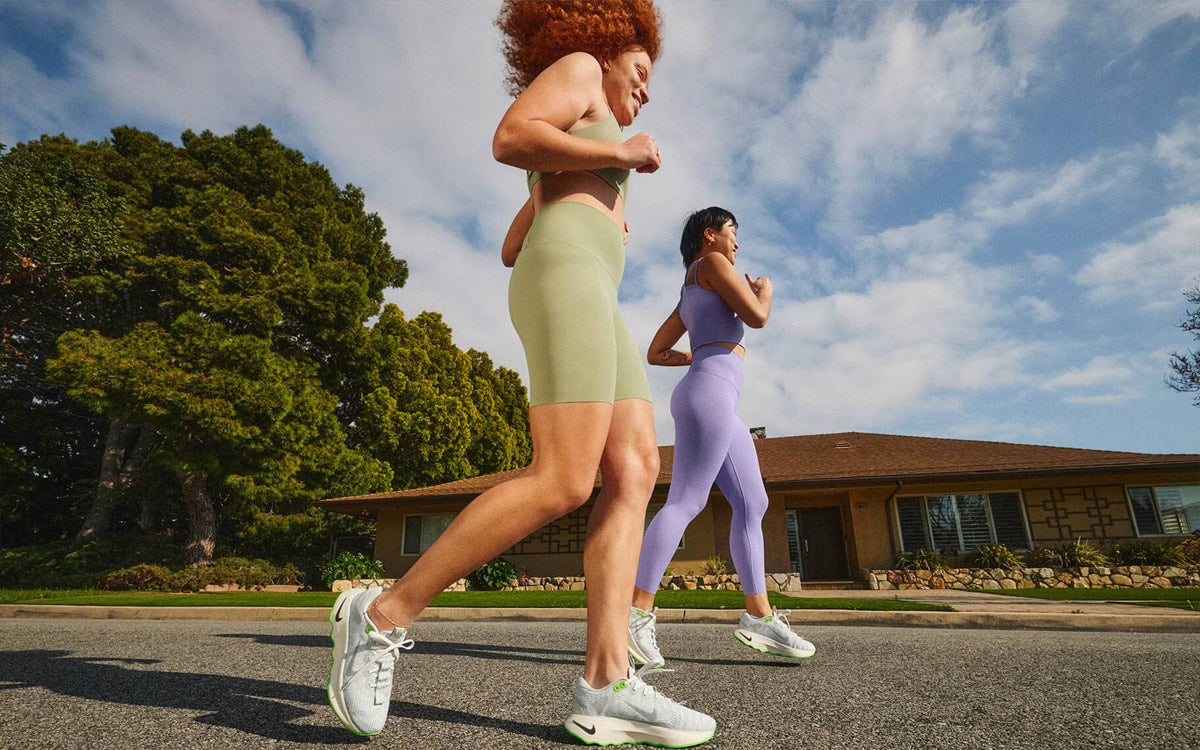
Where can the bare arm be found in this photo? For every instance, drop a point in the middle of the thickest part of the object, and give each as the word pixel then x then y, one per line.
pixel 532 134
pixel 516 234
pixel 750 299
pixel 660 352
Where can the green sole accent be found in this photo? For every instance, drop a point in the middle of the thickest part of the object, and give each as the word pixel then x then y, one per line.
pixel 738 638
pixel 348 728
pixel 586 741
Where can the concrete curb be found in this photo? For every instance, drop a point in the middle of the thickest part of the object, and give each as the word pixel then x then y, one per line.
pixel 1141 623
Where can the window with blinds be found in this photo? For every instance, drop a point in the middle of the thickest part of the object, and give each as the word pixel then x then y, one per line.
pixel 793 536
pixel 953 524
pixel 1171 509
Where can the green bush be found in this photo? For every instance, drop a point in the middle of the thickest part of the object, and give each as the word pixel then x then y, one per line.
pixel 1189 549
pixel 996 556
pixel 1076 554
pixel 250 574
pixel 58 565
pixel 141 577
pixel 1142 552
pixel 492 576
pixel 922 559
pixel 350 565
pixel 715 566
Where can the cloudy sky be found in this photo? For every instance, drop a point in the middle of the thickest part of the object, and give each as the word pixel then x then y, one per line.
pixel 979 218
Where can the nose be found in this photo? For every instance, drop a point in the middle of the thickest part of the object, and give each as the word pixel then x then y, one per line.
pixel 645 96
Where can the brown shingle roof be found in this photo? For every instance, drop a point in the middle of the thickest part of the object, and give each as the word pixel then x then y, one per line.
pixel 847 458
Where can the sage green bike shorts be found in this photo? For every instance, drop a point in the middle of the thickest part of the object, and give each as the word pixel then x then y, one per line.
pixel 562 298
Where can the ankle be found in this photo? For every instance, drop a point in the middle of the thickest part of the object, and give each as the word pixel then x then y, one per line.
pixel 381 621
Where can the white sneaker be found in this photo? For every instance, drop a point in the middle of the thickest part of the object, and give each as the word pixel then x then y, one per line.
pixel 643 642
pixel 773 635
pixel 360 678
pixel 631 712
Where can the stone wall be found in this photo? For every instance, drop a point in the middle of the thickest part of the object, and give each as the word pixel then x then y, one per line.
pixel 775 582
pixel 1123 577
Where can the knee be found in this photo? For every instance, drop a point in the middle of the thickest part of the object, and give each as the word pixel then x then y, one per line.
pixel 632 474
pixel 570 492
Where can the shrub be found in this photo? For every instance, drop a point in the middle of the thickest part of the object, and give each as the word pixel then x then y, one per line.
pixel 351 565
pixel 1142 552
pixel 140 577
pixel 715 566
pixel 492 576
pixel 997 556
pixel 922 559
pixel 1076 554
pixel 1189 549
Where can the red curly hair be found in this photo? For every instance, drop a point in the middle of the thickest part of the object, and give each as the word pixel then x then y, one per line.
pixel 538 32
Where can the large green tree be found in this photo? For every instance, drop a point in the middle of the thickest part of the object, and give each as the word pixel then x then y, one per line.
pixel 433 412
pixel 230 355
pixel 59 234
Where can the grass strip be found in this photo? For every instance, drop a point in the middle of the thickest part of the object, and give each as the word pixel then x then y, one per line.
pixel 1101 595
pixel 665 600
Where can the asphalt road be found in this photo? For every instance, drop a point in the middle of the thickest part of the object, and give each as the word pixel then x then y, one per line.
pixel 123 684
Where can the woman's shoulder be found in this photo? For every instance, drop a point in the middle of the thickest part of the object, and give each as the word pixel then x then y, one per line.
pixel 579 65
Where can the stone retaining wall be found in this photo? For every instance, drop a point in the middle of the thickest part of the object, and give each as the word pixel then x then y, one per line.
pixel 775 582
pixel 1122 577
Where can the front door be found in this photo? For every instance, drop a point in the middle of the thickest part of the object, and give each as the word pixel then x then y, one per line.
pixel 819 552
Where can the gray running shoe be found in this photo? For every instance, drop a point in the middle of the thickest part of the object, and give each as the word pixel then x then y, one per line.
pixel 630 712
pixel 360 679
pixel 773 635
pixel 643 642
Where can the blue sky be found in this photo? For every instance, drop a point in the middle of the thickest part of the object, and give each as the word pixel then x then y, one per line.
pixel 979 218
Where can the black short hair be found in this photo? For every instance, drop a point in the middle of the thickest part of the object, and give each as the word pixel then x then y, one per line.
pixel 713 217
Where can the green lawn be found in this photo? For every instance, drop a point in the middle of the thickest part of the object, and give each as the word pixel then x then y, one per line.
pixel 1103 595
pixel 666 600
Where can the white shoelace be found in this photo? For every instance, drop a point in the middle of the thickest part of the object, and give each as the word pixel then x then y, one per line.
pixel 649 621
pixel 384 657
pixel 637 683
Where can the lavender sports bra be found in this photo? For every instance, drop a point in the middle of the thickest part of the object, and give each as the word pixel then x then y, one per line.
pixel 707 318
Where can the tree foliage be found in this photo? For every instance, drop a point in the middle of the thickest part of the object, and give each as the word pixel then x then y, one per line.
pixel 215 300
pixel 1185 368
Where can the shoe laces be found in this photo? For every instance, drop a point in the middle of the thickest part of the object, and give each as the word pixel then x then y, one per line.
pixel 650 668
pixel 384 656
pixel 649 621
pixel 638 684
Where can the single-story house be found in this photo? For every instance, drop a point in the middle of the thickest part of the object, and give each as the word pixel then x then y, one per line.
pixel 847 502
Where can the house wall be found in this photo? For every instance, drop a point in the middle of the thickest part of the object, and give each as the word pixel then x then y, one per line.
pixel 1058 509
pixel 556 549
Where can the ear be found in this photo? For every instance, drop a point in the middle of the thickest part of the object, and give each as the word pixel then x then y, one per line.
pixel 708 234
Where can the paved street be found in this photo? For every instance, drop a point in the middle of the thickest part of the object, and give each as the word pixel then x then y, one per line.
pixel 121 684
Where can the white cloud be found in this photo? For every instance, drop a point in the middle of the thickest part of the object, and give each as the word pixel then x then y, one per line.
pixel 1152 269
pixel 876 105
pixel 1179 151
pixel 1101 370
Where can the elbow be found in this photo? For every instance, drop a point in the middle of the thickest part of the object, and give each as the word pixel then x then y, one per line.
pixel 504 147
pixel 755 321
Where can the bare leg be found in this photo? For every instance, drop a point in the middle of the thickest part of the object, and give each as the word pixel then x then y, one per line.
pixel 758 605
pixel 630 468
pixel 643 600
pixel 568 442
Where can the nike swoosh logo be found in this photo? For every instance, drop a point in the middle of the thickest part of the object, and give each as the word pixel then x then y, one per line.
pixel 337 616
pixel 591 730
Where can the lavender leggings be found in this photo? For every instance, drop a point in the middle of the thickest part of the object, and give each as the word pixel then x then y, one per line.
pixel 711 443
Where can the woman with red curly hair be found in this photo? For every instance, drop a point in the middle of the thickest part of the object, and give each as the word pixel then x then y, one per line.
pixel 580 72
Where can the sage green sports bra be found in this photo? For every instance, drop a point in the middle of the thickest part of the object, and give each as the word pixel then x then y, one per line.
pixel 608 131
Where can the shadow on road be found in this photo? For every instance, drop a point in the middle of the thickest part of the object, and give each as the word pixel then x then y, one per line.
pixel 433 648
pixel 257 707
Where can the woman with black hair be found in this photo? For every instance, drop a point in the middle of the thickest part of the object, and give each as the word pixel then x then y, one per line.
pixel 711 442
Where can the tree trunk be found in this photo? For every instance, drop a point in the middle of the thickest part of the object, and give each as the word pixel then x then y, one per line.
pixel 100 515
pixel 202 517
pixel 146 519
